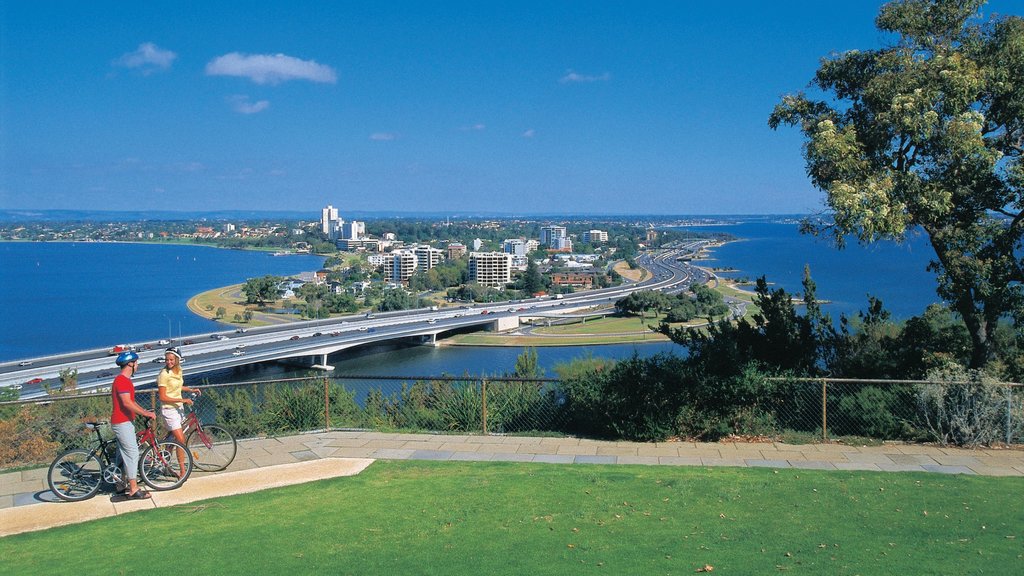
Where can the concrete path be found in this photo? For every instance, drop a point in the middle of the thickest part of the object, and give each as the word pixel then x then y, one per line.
pixel 26 503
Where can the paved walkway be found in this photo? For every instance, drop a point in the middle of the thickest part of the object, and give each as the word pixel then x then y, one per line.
pixel 26 503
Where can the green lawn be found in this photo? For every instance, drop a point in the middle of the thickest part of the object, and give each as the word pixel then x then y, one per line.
pixel 420 517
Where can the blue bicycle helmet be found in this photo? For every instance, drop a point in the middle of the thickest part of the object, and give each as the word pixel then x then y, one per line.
pixel 125 358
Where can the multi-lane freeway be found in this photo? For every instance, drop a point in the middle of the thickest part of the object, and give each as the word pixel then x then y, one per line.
pixel 206 352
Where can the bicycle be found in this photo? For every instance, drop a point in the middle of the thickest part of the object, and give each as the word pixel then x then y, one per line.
pixel 79 474
pixel 211 446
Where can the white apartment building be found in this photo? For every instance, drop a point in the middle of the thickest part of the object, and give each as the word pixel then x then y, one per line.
pixel 595 236
pixel 514 246
pixel 561 243
pixel 427 257
pixel 399 265
pixel 550 234
pixel 490 268
pixel 330 221
pixel 353 230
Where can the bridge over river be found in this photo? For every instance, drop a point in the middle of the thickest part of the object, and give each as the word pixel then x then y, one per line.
pixel 311 342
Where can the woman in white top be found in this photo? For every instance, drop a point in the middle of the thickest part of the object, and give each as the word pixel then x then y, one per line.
pixel 171 383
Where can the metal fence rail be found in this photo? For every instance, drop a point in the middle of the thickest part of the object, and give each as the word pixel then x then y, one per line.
pixel 967 413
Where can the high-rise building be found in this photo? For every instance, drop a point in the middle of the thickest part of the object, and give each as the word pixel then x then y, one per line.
pixel 549 234
pixel 514 246
pixel 490 268
pixel 328 216
pixel 353 230
pixel 595 237
pixel 427 257
pixel 399 265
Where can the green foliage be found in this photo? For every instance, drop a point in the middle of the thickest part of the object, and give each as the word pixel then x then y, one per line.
pixel 924 134
pixel 236 410
pixel 963 407
pixel 291 409
pixel 259 291
pixel 397 299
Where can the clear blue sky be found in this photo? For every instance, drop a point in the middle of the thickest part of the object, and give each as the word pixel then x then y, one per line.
pixel 517 107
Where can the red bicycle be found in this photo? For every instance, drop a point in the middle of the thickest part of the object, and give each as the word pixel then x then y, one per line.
pixel 80 473
pixel 211 446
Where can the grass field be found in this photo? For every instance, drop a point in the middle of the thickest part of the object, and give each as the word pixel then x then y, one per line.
pixel 421 517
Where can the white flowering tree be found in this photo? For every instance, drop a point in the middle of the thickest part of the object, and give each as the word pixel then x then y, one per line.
pixel 927 133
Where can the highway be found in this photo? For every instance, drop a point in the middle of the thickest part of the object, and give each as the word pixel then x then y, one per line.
pixel 225 349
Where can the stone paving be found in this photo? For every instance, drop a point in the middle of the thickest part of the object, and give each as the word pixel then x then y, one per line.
pixel 27 504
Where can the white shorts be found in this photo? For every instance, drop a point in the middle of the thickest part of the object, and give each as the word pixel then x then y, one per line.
pixel 171 416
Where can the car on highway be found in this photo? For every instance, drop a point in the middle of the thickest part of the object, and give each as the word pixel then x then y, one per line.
pixel 432 321
pixel 34 381
pixel 296 337
pixel 241 330
pixel 117 349
pixel 163 342
pixel 25 363
pixel 158 360
pixel 362 329
pixel 238 352
pixel 240 345
pixel 317 334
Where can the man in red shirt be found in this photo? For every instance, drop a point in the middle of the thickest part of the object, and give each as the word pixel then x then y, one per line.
pixel 125 409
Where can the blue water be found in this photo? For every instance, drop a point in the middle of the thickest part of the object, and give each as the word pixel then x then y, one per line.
pixel 63 297
pixel 68 296
pixel 895 274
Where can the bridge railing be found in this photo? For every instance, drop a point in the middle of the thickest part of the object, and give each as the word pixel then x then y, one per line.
pixel 787 410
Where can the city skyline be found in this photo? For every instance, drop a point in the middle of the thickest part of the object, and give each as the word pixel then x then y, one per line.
pixel 595 108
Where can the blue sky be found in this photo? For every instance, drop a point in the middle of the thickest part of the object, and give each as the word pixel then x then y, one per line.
pixel 513 107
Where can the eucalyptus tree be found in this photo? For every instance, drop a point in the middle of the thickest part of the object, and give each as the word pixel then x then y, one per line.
pixel 926 134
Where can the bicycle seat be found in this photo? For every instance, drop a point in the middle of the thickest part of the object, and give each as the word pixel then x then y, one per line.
pixel 94 425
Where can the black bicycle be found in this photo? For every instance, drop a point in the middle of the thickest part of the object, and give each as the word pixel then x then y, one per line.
pixel 79 474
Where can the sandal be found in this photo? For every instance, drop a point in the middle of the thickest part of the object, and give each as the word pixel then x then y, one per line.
pixel 139 494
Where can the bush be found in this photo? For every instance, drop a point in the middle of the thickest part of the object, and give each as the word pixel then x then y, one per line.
pixel 963 407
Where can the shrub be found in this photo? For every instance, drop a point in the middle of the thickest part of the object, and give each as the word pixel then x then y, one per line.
pixel 963 407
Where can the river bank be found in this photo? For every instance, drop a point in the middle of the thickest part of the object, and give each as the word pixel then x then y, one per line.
pixel 593 332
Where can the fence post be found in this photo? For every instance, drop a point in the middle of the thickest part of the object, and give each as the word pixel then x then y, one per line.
pixel 1009 412
pixel 327 405
pixel 483 410
pixel 824 410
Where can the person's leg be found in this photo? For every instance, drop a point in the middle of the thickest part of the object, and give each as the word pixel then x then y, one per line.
pixel 172 420
pixel 128 446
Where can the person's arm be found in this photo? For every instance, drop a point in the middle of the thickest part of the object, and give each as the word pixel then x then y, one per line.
pixel 190 390
pixel 132 406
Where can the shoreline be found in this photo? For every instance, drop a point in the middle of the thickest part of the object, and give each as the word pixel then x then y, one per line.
pixel 228 297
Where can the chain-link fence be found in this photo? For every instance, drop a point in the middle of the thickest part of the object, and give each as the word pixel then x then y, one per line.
pixel 963 413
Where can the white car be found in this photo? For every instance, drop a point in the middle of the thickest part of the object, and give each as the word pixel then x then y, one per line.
pixel 25 363
pixel 432 321
pixel 238 352
pixel 362 328
pixel 163 342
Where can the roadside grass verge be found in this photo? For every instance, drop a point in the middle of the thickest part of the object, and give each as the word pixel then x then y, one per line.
pixel 421 517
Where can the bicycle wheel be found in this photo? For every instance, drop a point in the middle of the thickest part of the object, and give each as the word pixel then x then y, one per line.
pixel 161 469
pixel 213 448
pixel 75 475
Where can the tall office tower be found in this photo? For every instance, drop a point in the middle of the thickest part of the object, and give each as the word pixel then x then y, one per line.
pixel 514 246
pixel 328 216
